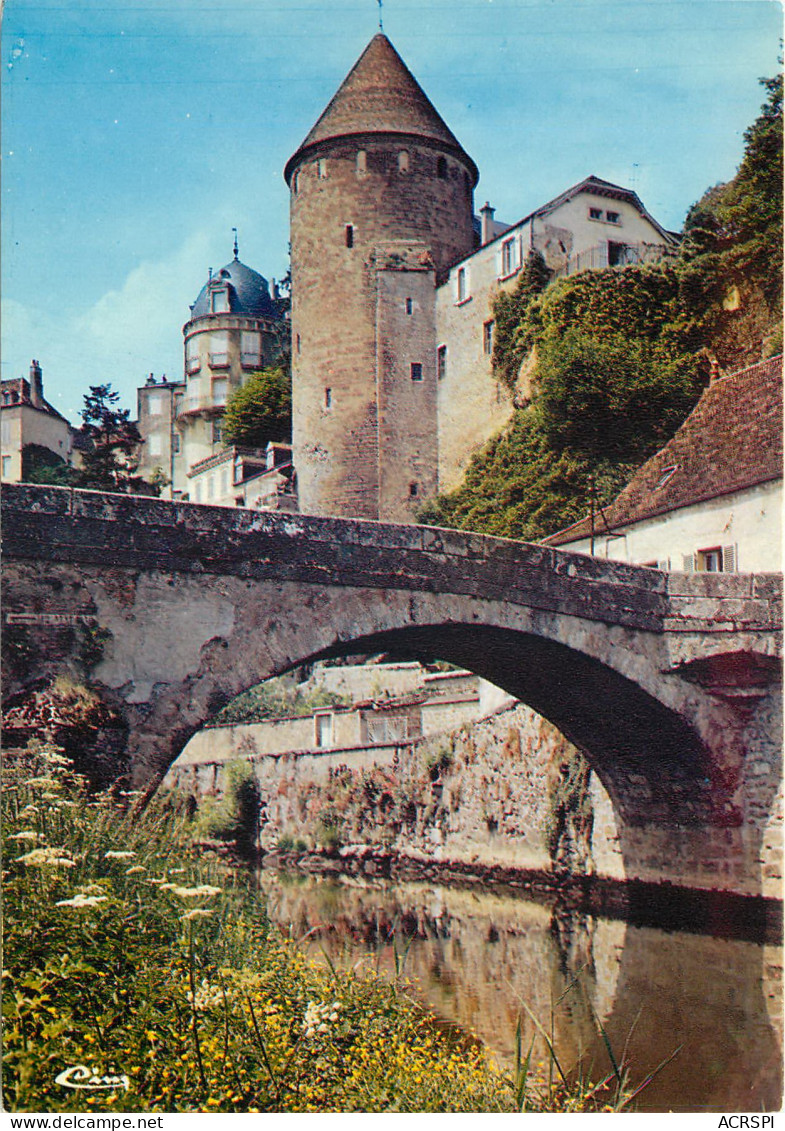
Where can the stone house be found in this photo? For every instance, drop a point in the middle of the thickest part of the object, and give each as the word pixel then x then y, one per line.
pixel 27 418
pixel 711 499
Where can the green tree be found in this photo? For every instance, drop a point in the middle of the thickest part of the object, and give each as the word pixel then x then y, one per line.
pixel 614 398
pixel 111 456
pixel 260 410
pixel 40 465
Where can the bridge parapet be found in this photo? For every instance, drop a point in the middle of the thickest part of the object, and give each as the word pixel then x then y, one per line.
pixel 137 532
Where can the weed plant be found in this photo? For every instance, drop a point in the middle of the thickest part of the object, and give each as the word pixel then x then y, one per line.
pixel 149 973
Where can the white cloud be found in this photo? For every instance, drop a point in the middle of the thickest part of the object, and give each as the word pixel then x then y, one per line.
pixel 128 333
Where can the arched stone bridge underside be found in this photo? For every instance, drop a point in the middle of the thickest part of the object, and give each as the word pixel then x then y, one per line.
pixel 667 682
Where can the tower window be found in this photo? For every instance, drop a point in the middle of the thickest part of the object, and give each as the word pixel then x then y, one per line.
pixel 296 182
pixel 328 398
pixel 298 343
pixel 321 168
pixel 414 490
pixel 362 163
pixel 403 161
pixel 441 363
pixel 216 432
pixel 350 235
pixel 219 301
pixel 416 371
pixel 176 443
pixel 441 168
pixel 409 306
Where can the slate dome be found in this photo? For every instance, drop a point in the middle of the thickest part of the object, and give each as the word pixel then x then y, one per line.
pixel 249 292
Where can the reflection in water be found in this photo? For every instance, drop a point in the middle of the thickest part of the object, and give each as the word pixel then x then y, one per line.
pixel 477 958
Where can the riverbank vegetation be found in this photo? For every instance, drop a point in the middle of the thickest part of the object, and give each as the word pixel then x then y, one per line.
pixel 141 976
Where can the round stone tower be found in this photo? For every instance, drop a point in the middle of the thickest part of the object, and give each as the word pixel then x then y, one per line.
pixel 381 206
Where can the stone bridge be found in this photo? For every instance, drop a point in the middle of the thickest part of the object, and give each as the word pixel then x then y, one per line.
pixel 669 683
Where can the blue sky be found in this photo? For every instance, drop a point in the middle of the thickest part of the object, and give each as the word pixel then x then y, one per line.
pixel 136 134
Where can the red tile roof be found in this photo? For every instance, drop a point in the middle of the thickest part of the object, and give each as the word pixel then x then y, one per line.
pixel 732 440
pixel 380 95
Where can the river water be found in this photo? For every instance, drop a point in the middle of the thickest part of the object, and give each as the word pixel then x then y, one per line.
pixel 481 959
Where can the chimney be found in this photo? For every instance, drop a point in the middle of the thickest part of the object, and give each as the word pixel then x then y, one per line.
pixel 36 385
pixel 486 230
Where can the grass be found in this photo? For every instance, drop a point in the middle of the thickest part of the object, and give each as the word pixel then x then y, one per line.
pixel 132 956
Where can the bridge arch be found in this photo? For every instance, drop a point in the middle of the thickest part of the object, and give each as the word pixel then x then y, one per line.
pixel 193 605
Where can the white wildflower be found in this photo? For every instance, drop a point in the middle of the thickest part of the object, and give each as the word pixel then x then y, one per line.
pixel 29 811
pixel 197 913
pixel 188 893
pixel 50 782
pixel 137 868
pixel 55 759
pixel 45 857
pixel 318 1016
pixel 81 899
pixel 114 855
pixel 25 834
pixel 207 996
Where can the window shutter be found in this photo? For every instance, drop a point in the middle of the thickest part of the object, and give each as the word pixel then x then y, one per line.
pixel 728 559
pixel 688 561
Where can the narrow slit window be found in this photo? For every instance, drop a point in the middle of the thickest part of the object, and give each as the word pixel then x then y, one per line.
pixel 409 306
pixel 328 398
pixel 414 490
pixel 441 168
pixel 416 371
pixel 403 161
pixel 350 235
pixel 441 363
pixel 362 163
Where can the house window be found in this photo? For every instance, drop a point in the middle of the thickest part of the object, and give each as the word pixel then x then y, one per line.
pixel 487 337
pixel 216 432
pixel 612 217
pixel 154 406
pixel 6 466
pixel 508 257
pixel 197 492
pixel 220 391
pixel 710 561
pixel 328 398
pixel 249 349
pixel 619 254
pixel 416 371
pixel 324 730
pixel 441 363
pixel 441 168
pixel 362 163
pixel 403 161
pixel 225 481
pixel 155 445
pixel 409 306
pixel 349 235
pixel 462 285
pixel 595 213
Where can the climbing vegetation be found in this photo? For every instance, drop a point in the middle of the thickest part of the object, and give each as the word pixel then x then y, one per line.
pixel 618 356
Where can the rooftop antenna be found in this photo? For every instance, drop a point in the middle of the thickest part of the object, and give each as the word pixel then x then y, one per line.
pixel 381 21
pixel 236 248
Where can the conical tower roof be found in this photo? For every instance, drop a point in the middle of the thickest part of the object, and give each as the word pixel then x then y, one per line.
pixel 380 95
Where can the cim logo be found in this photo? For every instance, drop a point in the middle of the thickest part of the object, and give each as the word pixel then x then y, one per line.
pixel 81 1077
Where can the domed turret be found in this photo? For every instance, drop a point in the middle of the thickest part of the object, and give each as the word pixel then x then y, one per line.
pixel 235 329
pixel 235 289
pixel 381 203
